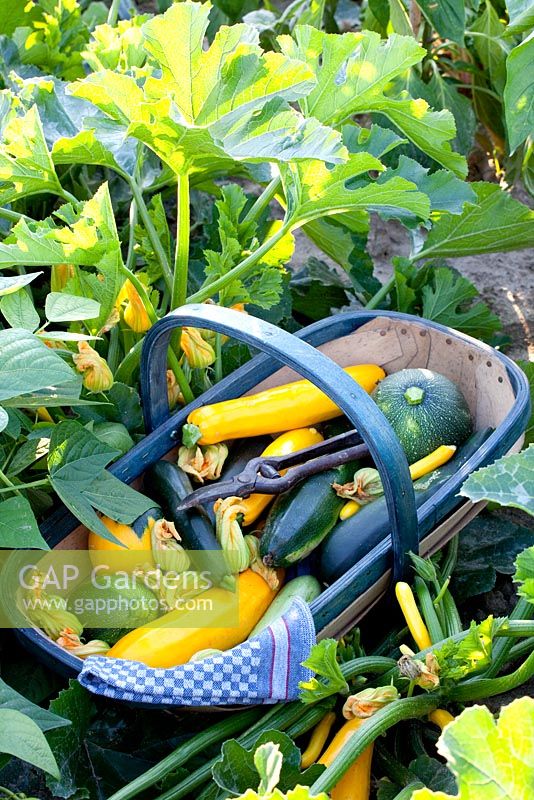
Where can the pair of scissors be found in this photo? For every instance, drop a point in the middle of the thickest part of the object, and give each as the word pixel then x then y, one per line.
pixel 263 473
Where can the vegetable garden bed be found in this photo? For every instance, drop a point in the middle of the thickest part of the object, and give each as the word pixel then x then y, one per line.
pixel 194 154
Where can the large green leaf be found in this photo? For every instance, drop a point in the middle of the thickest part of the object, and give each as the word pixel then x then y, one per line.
pixel 313 190
pixel 88 238
pixel 448 300
pixel 26 167
pixel 446 17
pixel 354 73
pixel 490 46
pixel 69 744
pixel 519 93
pixel 20 736
pixel 18 526
pixel 491 760
pixel 521 15
pixel 445 191
pixel 11 284
pixel 19 311
pixel 441 94
pixel 62 307
pixel 77 461
pixel 44 719
pixel 227 102
pixel 27 365
pixel 498 223
pixel 508 482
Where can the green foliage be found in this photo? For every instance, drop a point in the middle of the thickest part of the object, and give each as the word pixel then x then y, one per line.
pixel 77 461
pixel 68 744
pixel 20 736
pixel 328 678
pixel 492 760
pixel 458 660
pixel 508 482
pixel 524 574
pixel 238 769
pixel 487 546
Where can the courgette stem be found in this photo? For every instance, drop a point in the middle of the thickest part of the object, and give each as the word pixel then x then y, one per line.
pixel 383 720
pixel 501 650
pixel 407 792
pixel 428 611
pixel 452 617
pixel 220 731
pixel 279 717
pixel 181 259
pixel 480 688
pixel 364 664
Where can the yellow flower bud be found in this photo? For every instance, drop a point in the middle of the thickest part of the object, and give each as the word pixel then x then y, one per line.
pixel 203 462
pixel 97 376
pixel 48 612
pixel 135 314
pixel 269 574
pixel 367 702
pixel 365 487
pixel 229 534
pixel 166 548
pixel 60 275
pixel 199 353
pixel 70 641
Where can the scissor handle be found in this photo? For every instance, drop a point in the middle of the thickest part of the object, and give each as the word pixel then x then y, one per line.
pixel 309 362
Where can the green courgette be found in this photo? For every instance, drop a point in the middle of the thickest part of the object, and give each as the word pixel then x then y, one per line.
pixel 169 485
pixel 425 409
pixel 351 539
pixel 301 518
pixel 305 586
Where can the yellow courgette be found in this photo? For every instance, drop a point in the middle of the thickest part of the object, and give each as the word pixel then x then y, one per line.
pixel 356 782
pixel 293 405
pixel 317 740
pixel 418 469
pixel 440 717
pixel 413 618
pixel 175 637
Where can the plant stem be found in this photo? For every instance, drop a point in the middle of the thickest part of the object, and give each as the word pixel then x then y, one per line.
pixel 129 364
pixel 501 650
pixel 184 752
pixel 263 200
pixel 385 718
pixel 240 270
pixel 16 487
pixel 428 611
pixel 481 688
pixel 130 258
pixel 113 14
pixel 113 353
pixel 65 195
pixel 12 216
pixel 279 717
pixel 179 374
pixel 381 294
pixel 450 559
pixel 150 229
pixel 360 666
pixel 407 792
pixel 181 260
pixel 11 486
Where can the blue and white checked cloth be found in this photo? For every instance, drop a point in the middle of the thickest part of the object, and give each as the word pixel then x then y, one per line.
pixel 264 669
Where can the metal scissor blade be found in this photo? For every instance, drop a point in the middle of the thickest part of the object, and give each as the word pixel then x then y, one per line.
pixel 262 474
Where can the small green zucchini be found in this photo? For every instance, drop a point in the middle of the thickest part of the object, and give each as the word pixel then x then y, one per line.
pixel 301 518
pixel 305 586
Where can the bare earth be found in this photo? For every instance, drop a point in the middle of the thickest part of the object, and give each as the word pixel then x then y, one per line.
pixel 504 280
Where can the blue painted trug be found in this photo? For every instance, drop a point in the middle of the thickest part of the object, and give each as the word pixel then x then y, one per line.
pixel 298 352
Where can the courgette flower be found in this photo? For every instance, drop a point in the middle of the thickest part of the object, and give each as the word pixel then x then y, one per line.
pixel 97 376
pixel 198 351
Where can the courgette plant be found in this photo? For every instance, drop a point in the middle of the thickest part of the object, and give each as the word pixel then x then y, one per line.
pixel 153 111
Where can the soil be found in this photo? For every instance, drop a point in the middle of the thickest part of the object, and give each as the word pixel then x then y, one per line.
pixel 504 280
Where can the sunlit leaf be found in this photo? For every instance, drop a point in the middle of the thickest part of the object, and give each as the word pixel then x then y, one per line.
pixel 27 365
pixel 519 92
pixel 497 223
pixel 508 482
pixel 19 311
pixel 353 72
pixel 26 167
